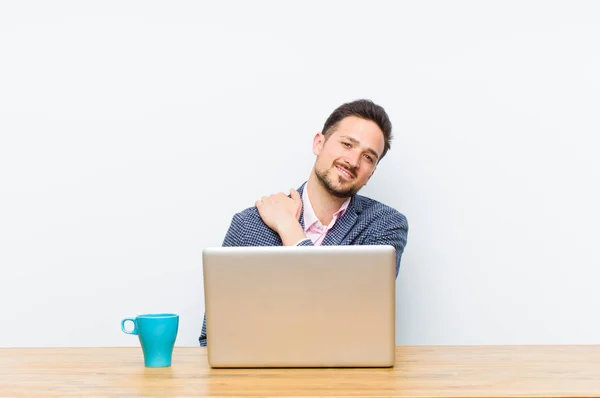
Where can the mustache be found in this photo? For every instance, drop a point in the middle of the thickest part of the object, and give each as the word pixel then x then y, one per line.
pixel 350 169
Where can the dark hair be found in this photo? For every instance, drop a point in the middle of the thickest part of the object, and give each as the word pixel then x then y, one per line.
pixel 365 109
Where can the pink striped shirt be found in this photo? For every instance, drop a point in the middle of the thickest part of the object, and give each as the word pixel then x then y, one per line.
pixel 312 226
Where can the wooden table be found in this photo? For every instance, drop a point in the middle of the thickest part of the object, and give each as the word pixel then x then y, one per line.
pixel 443 371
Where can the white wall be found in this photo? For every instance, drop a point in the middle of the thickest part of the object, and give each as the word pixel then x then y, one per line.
pixel 130 132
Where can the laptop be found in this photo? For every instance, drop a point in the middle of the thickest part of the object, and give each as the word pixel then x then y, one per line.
pixel 300 306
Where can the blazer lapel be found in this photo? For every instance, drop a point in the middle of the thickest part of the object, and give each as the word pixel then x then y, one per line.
pixel 344 225
pixel 302 211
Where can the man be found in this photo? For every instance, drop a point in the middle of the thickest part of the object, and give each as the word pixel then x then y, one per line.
pixel 326 210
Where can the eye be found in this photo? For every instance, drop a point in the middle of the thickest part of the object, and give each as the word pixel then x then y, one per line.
pixel 346 144
pixel 369 158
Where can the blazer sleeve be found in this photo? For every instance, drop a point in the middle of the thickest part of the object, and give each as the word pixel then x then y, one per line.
pixel 305 242
pixel 235 233
pixel 394 232
pixel 234 237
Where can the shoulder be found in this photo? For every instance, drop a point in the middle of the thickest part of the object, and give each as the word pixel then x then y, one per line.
pixel 248 216
pixel 379 212
pixel 251 229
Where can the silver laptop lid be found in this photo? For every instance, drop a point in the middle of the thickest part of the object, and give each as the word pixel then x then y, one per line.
pixel 323 306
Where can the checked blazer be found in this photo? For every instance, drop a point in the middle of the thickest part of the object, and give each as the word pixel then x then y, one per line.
pixel 365 222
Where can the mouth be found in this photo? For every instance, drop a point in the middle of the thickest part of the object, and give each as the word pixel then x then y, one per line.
pixel 344 173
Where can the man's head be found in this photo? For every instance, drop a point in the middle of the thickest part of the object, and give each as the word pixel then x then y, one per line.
pixel 355 138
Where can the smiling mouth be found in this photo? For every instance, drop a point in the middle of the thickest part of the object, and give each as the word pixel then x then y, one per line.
pixel 344 173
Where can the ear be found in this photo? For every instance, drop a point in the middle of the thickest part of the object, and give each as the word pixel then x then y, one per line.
pixel 318 142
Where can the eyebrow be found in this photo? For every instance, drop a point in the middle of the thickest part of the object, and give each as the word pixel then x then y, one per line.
pixel 357 142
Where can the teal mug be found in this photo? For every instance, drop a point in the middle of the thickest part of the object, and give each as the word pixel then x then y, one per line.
pixel 157 334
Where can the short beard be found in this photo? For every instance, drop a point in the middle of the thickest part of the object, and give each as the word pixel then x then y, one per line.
pixel 326 182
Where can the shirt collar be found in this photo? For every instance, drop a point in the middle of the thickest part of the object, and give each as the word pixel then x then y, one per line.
pixel 310 217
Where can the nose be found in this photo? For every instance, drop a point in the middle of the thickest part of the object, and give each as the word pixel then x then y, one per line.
pixel 353 160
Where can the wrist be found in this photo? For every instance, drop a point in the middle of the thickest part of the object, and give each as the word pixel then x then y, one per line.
pixel 290 232
pixel 286 225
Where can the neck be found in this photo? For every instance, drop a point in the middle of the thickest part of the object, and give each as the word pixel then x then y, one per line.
pixel 323 203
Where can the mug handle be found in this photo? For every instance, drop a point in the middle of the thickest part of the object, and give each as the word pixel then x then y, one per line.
pixel 134 331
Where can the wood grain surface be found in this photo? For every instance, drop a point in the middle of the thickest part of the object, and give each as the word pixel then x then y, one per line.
pixel 439 371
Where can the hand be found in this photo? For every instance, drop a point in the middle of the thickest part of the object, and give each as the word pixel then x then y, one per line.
pixel 279 211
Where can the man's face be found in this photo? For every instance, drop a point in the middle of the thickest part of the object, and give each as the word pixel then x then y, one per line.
pixel 347 159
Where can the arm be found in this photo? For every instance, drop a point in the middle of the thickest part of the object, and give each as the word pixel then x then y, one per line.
pixel 393 231
pixel 281 213
pixel 292 233
pixel 235 233
pixel 390 229
pixel 234 237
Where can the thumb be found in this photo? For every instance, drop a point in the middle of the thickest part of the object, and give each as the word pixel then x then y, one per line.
pixel 298 200
pixel 295 195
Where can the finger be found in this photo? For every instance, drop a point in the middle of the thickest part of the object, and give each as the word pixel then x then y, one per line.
pixel 261 201
pixel 295 195
pixel 298 201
